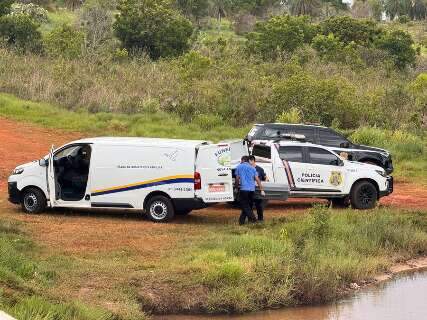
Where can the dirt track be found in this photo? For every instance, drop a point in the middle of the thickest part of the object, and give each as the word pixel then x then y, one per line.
pixel 85 231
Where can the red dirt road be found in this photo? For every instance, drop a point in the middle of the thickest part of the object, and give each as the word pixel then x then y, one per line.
pixel 21 142
pixel 86 232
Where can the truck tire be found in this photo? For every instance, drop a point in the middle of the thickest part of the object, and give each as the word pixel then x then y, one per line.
pixel 160 209
pixel 340 202
pixel 33 200
pixel 363 195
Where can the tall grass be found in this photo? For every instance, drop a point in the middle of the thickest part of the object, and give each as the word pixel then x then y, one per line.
pixel 23 280
pixel 292 261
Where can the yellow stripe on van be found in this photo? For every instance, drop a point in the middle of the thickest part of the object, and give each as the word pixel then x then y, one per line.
pixel 182 176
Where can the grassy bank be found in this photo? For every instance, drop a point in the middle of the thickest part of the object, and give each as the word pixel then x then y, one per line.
pixel 304 259
pixel 24 279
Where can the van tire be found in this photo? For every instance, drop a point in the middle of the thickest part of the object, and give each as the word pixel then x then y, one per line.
pixel 33 200
pixel 160 209
pixel 363 195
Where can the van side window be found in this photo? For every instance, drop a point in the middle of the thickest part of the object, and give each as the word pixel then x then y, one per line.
pixel 322 156
pixel 330 138
pixel 261 151
pixel 308 132
pixel 291 153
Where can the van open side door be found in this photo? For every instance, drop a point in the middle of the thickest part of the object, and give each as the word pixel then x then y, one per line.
pixel 214 171
pixel 51 179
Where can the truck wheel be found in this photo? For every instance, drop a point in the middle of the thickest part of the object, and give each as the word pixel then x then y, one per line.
pixel 182 212
pixel 363 195
pixel 340 202
pixel 33 200
pixel 160 209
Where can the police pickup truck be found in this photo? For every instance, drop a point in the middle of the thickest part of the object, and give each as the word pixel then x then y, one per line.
pixel 311 170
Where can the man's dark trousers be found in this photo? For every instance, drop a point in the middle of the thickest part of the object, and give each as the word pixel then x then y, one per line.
pixel 246 202
pixel 259 205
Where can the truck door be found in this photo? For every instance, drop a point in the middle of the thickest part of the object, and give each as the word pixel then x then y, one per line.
pixel 51 179
pixel 213 173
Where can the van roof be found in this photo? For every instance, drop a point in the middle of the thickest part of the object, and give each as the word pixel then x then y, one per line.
pixel 142 141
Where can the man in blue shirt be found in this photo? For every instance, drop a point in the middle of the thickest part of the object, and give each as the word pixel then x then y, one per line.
pixel 246 175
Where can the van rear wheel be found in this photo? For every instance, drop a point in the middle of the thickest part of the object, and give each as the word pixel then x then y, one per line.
pixel 160 209
pixel 363 195
pixel 33 200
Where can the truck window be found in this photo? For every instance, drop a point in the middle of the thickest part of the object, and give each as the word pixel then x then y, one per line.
pixel 308 132
pixel 291 153
pixel 322 156
pixel 261 151
pixel 330 138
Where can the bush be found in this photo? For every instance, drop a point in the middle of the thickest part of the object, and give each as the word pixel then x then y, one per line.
pixel 319 101
pixel 399 45
pixel 20 32
pixel 5 7
pixel 65 42
pixel 151 26
pixel 402 144
pixel 291 116
pixel 348 30
pixel 280 33
pixel 32 10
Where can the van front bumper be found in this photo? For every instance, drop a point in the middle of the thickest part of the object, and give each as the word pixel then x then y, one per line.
pixel 389 189
pixel 14 193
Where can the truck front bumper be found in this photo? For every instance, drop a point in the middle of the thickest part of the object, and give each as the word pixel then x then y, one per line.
pixel 14 193
pixel 389 188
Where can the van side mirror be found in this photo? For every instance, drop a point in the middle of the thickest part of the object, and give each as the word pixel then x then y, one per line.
pixel 345 144
pixel 340 162
pixel 43 162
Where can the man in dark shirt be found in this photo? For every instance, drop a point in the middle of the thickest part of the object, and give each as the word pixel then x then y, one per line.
pixel 259 201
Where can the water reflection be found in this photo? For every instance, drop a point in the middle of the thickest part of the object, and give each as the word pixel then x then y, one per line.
pixel 404 298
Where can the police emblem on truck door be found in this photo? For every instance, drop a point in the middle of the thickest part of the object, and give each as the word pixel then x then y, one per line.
pixel 336 178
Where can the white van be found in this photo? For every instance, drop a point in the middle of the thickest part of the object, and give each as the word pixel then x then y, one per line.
pixel 163 177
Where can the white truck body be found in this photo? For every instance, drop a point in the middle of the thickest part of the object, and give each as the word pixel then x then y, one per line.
pixel 311 170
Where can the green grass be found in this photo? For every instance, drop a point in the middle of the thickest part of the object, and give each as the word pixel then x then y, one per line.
pixel 24 280
pixel 154 124
pixel 302 260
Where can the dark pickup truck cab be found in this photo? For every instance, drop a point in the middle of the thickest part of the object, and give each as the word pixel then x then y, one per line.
pixel 326 137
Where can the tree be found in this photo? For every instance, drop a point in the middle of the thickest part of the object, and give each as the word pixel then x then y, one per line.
pixel 398 44
pixel 193 8
pixel 65 42
pixel 96 20
pixel 5 6
pixel 151 26
pixel 280 33
pixel 21 33
pixel 304 7
pixel 418 90
pixel 348 30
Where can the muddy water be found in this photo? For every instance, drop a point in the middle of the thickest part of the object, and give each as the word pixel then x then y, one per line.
pixel 404 298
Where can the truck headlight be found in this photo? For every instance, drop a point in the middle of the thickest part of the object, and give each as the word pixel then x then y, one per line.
pixel 18 171
pixel 381 173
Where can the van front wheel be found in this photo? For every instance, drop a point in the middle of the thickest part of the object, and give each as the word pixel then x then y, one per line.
pixel 160 209
pixel 33 200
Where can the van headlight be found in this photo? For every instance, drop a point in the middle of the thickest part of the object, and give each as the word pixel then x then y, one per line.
pixel 18 171
pixel 381 173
